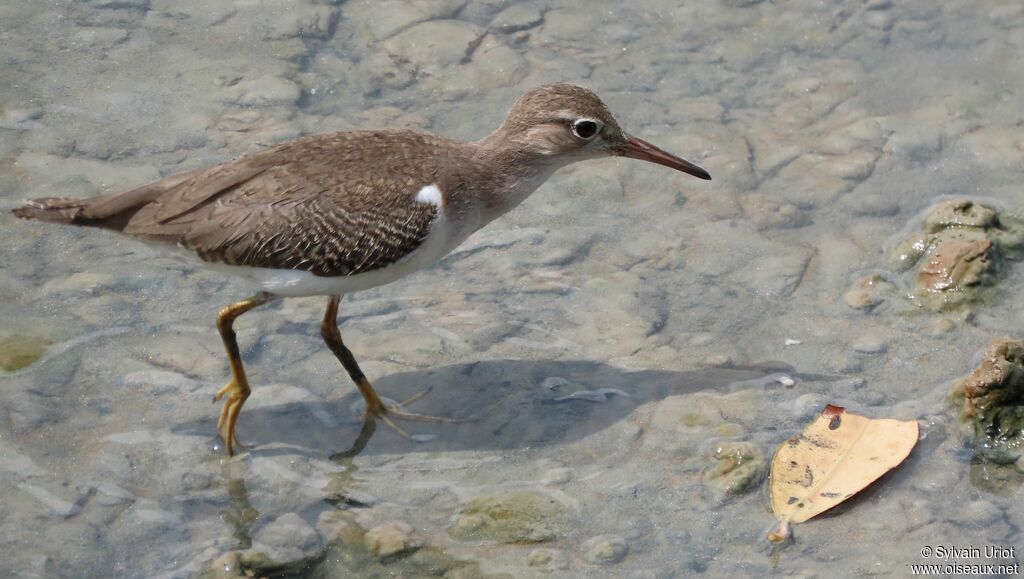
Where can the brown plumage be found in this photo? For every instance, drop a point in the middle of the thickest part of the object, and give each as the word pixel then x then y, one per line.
pixel 333 205
pixel 330 214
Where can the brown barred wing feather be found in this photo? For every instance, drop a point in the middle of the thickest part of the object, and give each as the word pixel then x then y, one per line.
pixel 281 220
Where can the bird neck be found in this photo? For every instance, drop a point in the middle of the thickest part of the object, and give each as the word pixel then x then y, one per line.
pixel 516 169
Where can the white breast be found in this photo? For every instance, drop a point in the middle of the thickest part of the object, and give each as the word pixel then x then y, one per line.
pixel 445 234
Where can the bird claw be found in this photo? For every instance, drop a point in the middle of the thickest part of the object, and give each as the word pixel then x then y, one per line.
pixel 388 410
pixel 237 392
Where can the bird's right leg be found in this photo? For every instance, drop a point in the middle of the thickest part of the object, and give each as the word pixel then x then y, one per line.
pixel 375 406
pixel 237 390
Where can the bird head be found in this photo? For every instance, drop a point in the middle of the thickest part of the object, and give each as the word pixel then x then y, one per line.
pixel 568 123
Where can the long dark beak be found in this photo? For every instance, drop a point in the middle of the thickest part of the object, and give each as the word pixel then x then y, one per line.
pixel 640 149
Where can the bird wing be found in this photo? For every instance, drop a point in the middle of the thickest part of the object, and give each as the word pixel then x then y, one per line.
pixel 319 207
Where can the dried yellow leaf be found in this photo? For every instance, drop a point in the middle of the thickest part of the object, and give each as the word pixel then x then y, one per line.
pixel 835 457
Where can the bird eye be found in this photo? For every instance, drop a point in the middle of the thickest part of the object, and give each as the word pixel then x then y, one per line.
pixel 585 129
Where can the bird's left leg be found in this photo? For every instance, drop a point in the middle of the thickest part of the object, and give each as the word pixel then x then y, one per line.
pixel 237 390
pixel 375 406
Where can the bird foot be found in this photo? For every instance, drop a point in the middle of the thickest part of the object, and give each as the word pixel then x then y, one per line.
pixel 389 410
pixel 237 391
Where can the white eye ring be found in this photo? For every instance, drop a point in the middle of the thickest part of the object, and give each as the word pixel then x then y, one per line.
pixel 586 129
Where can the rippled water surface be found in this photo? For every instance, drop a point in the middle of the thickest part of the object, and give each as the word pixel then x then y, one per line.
pixel 829 126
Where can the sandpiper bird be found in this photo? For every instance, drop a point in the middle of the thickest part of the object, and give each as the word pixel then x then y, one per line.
pixel 331 214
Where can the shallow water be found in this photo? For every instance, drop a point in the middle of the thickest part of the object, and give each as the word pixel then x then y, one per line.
pixel 828 127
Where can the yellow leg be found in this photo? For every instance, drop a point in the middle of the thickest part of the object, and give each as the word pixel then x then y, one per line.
pixel 375 407
pixel 237 389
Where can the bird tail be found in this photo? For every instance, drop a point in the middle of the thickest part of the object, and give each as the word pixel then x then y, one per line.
pixel 110 211
pixel 52 209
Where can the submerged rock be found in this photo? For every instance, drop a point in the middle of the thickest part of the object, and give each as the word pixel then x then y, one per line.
pixel 993 401
pixel 962 250
pixel 547 559
pixel 737 469
pixel 286 544
pixel 389 539
pixel 957 263
pixel 868 292
pixel 351 551
pixel 515 517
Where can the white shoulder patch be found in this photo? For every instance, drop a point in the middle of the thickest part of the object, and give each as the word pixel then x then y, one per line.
pixel 430 195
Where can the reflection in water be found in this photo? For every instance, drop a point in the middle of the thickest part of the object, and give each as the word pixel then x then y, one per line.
pixel 358 446
pixel 340 495
pixel 242 515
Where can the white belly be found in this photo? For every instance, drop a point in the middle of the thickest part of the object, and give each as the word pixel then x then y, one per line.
pixel 296 283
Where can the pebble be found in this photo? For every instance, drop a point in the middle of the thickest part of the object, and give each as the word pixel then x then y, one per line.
pixel 286 538
pixel 766 212
pixel 335 524
pixel 786 381
pixel 389 539
pixel 870 344
pixel 547 559
pixel 553 383
pixel 806 406
pixel 226 566
pixel 867 292
pixel 879 19
pixel 605 549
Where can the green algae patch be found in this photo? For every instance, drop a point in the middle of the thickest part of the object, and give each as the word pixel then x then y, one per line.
pixel 19 351
pixel 992 401
pixel 515 517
